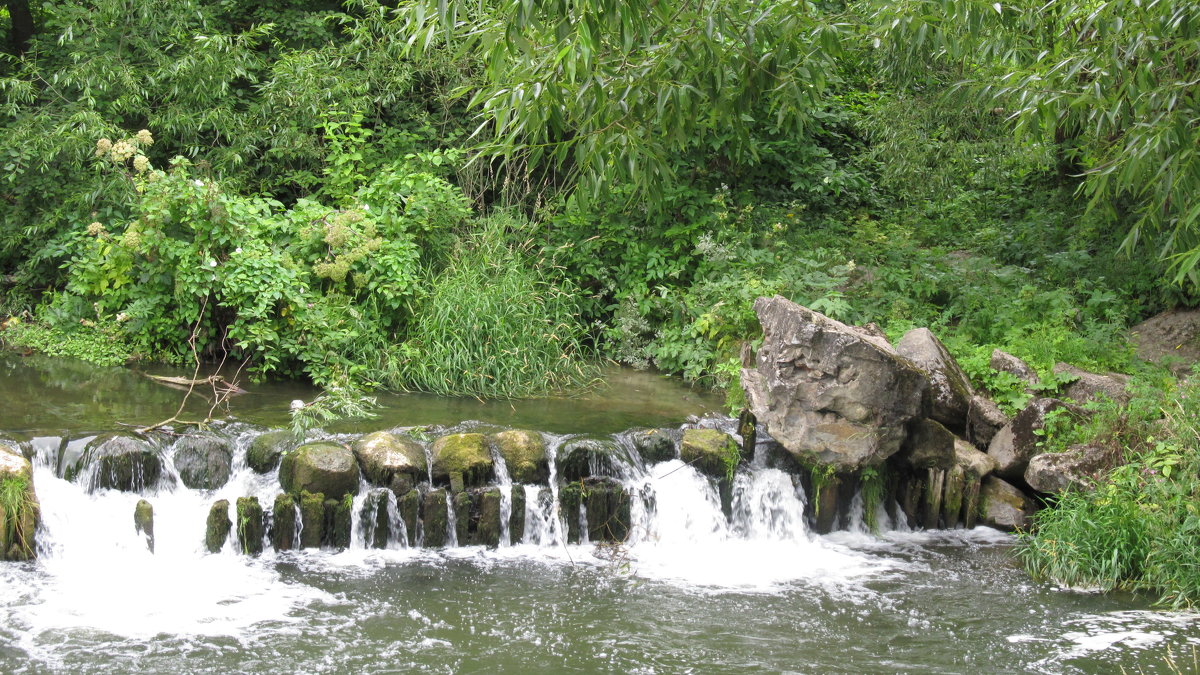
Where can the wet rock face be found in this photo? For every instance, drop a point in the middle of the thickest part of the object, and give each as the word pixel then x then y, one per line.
pixel 950 390
pixel 830 394
pixel 203 462
pixel 217 527
pixel 654 445
pixel 709 451
pixel 588 456
pixel 524 454
pixel 143 521
pixel 120 463
pixel 250 525
pixel 1078 467
pixel 324 467
pixel 388 459
pixel 1003 506
pixel 464 455
pixel 267 449
pixel 929 446
pixel 18 518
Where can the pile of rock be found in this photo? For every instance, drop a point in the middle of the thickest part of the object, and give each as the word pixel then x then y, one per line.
pixel 843 397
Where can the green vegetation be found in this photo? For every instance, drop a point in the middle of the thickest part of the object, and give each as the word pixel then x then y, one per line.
pixel 1138 527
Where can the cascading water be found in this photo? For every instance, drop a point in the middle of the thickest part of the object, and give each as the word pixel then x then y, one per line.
pixel 504 481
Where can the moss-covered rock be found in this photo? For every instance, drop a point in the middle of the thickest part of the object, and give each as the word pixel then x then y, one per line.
pixel 464 512
pixel 119 462
pixel 390 460
pixel 217 527
pixel 376 524
pixel 654 445
pixel 524 454
pixel 465 454
pixel 312 519
pixel 435 518
pixel 283 523
pixel 143 522
pixel 711 452
pixel 325 467
pixel 569 499
pixel 608 514
pixel 267 449
pixel 1003 506
pixel 19 508
pixel 204 461
pixel 250 525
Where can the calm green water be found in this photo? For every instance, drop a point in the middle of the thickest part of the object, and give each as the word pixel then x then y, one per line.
pixel 692 595
pixel 40 395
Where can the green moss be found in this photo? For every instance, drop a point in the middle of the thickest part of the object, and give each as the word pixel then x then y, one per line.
pixel 217 527
pixel 250 525
pixel 465 453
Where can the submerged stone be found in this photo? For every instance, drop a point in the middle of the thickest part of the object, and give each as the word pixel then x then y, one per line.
pixel 20 513
pixel 465 454
pixel 250 525
pixel 204 462
pixel 711 452
pixel 268 448
pixel 119 462
pixel 390 460
pixel 524 454
pixel 143 522
pixel 325 467
pixel 217 527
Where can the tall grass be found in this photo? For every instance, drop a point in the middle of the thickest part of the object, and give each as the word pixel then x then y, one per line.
pixel 1138 528
pixel 499 322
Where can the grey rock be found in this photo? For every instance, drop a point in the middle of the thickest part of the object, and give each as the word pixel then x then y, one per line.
pixel 119 463
pixel 828 393
pixel 1007 363
pixel 971 460
pixel 385 457
pixel 204 462
pixel 267 449
pixel 1089 386
pixel 950 390
pixel 1018 441
pixel 929 445
pixel 1004 506
pixel 984 419
pixel 524 454
pixel 1078 467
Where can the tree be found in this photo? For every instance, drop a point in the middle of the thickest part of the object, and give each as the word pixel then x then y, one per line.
pixel 599 92
pixel 1116 84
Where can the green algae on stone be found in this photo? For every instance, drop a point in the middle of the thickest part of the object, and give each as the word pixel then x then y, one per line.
pixel 464 453
pixel 312 519
pixel 250 525
pixel 143 521
pixel 524 454
pixel 390 460
pixel 283 523
pixel 709 451
pixel 323 466
pixel 267 449
pixel 217 527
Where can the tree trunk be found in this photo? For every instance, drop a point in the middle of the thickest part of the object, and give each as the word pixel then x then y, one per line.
pixel 22 25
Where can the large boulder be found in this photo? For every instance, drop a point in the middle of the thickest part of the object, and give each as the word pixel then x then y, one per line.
pixel 1087 386
pixel 204 462
pixel 325 467
pixel 1003 506
pixel 1079 467
pixel 974 463
pixel 1171 338
pixel 1019 440
pixel 524 454
pixel 654 445
pixel 462 455
pixel 829 393
pixel 20 511
pixel 390 460
pixel 268 448
pixel 711 452
pixel 119 462
pixel 950 390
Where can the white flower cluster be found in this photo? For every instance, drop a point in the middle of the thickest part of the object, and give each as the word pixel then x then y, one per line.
pixel 121 151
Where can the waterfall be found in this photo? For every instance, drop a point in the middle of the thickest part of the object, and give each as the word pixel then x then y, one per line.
pixel 504 481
